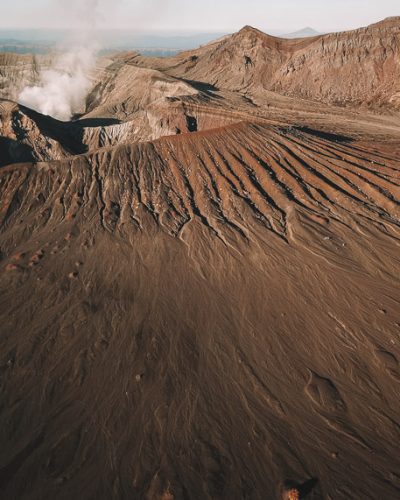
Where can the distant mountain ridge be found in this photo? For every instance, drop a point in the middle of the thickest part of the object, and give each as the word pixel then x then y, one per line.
pixel 358 67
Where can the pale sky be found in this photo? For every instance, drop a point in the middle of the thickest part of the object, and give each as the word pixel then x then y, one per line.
pixel 196 15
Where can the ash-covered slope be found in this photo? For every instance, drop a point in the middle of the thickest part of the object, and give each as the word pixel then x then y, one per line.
pixel 210 315
pixel 199 286
pixel 218 174
pixel 359 67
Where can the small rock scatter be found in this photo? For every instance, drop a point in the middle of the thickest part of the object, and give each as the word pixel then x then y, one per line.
pixel 18 256
pixel 292 494
pixel 36 258
pixel 12 267
pixel 167 495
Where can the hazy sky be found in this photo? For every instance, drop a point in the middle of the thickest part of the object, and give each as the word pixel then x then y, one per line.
pixel 197 15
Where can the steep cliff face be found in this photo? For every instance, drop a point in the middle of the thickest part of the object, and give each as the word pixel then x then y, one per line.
pixel 17 71
pixel 146 101
pixel 125 89
pixel 26 136
pixel 357 67
pixel 360 67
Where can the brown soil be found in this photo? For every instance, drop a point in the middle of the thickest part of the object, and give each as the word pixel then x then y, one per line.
pixel 212 314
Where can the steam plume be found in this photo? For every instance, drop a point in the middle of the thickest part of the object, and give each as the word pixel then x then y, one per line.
pixel 62 89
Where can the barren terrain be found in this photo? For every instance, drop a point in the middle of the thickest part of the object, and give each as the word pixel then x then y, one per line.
pixel 199 285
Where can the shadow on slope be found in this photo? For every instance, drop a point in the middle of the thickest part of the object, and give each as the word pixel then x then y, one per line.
pixel 325 135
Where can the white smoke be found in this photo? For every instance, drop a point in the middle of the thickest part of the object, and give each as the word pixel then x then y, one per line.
pixel 63 88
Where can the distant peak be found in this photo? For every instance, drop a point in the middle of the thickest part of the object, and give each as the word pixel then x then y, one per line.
pixel 303 33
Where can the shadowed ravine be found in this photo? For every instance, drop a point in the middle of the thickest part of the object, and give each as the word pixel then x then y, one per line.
pixel 210 315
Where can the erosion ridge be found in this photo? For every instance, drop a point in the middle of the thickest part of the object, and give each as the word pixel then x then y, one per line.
pixel 199 287
pixel 187 328
pixel 215 175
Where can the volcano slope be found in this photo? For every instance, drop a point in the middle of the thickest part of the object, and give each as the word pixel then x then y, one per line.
pixel 211 314
pixel 359 67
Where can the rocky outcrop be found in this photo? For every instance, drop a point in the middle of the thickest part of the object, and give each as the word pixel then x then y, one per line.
pixel 26 136
pixel 18 71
